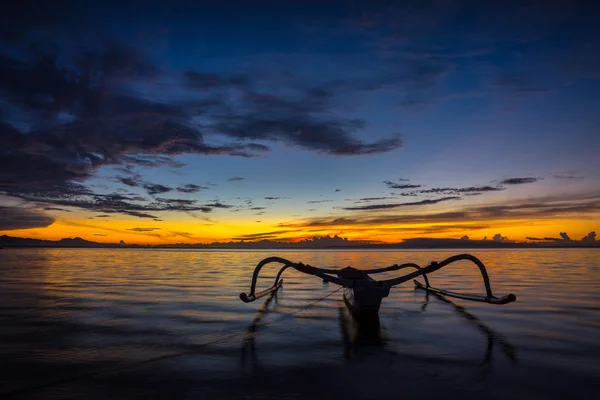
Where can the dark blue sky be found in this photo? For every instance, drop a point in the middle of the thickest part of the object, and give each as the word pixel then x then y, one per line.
pixel 114 107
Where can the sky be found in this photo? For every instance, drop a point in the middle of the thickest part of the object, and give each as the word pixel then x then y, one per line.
pixel 201 121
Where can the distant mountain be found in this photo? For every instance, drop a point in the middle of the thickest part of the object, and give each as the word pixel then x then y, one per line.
pixel 11 241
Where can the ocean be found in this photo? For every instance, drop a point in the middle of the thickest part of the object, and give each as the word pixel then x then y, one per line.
pixel 153 323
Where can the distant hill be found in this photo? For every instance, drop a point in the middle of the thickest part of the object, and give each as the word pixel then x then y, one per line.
pixel 11 241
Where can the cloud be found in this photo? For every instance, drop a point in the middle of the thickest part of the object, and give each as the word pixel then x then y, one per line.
pixel 100 234
pixel 466 190
pixel 564 236
pixel 235 178
pixel 301 119
pixel 518 181
pixel 337 190
pixel 133 182
pixel 263 235
pixel 132 205
pixel 153 188
pixel 393 185
pixel 589 238
pixel 142 229
pixel 12 218
pixel 368 199
pixel 499 238
pixel 218 204
pixel 587 206
pixel 318 201
pixel 464 238
pixel 105 123
pixel 56 209
pixel 275 198
pixel 392 206
pixel 567 175
pixel 190 188
pixel 82 114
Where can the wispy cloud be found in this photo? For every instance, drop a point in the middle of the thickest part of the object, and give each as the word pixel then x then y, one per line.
pixel 519 181
pixel 393 185
pixel 398 205
pixel 191 188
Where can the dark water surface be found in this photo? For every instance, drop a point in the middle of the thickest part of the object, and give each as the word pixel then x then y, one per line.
pixel 87 323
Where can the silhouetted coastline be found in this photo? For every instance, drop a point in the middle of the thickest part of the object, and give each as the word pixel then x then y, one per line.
pixel 317 243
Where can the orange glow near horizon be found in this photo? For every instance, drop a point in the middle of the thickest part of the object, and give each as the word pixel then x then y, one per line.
pixel 194 231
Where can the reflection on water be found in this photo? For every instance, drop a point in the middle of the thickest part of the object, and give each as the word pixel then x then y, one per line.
pixel 86 312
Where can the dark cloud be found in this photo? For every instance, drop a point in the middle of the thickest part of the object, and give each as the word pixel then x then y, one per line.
pixel 82 116
pixel 133 182
pixel 392 206
pixel 235 178
pixel 369 199
pixel 466 190
pixel 377 220
pixel 518 181
pixel 122 204
pixel 393 185
pixel 564 237
pixel 258 147
pixel 337 190
pixel 218 204
pixel 302 119
pixel 262 235
pixel 152 161
pixel 537 209
pixel 153 188
pixel 257 208
pixel 499 238
pixel 190 188
pixel 589 238
pixel 56 209
pixel 318 201
pixel 275 198
pixel 12 218
pixel 142 229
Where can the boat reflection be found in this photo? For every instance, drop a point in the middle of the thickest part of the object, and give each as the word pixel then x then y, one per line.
pixel 249 345
pixel 365 333
pixel 493 336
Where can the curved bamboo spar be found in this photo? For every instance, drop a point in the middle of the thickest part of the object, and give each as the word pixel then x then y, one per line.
pixel 396 267
pixel 488 298
pixel 247 298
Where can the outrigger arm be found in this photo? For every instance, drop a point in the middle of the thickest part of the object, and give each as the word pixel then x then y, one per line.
pixel 329 275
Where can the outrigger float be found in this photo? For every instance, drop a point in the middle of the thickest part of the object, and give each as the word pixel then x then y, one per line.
pixel 363 294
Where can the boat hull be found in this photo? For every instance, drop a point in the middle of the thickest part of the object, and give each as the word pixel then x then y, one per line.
pixel 365 300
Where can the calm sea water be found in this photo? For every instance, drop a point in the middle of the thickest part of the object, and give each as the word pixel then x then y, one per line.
pixel 87 323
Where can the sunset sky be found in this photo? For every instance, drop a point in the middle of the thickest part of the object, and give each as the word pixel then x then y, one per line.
pixel 201 121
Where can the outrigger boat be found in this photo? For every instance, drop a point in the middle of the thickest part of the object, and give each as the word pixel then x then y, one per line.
pixel 363 294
